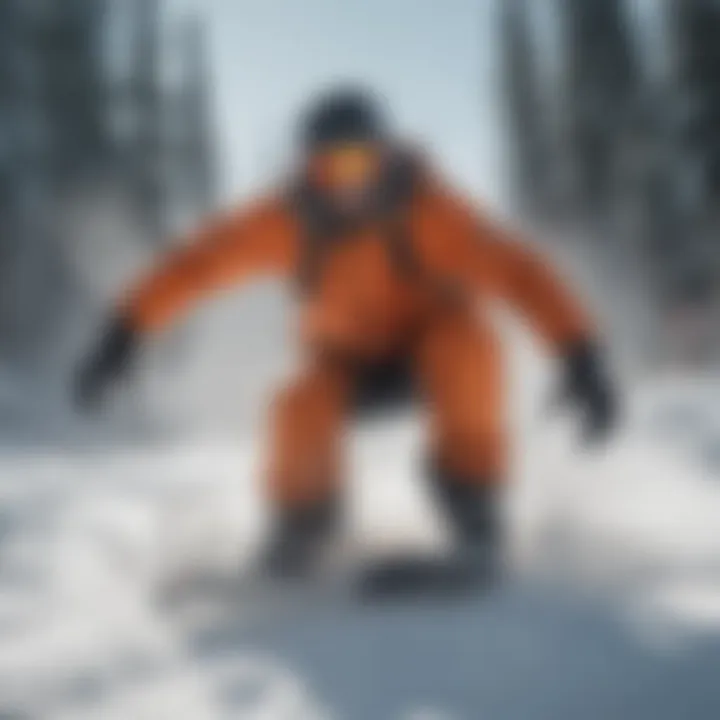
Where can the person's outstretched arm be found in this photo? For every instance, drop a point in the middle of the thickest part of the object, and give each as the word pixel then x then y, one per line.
pixel 233 248
pixel 490 260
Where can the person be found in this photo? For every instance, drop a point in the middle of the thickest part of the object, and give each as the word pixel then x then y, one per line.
pixel 394 271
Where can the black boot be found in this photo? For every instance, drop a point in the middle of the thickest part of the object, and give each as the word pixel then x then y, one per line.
pixel 298 538
pixel 473 511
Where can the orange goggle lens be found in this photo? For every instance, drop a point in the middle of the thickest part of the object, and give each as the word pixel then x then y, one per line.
pixel 345 166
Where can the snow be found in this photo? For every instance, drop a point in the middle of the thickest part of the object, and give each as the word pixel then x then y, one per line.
pixel 614 609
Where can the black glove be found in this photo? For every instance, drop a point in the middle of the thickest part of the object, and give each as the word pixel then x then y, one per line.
pixel 106 364
pixel 587 388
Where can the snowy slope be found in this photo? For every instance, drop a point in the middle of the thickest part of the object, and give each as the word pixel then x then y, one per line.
pixel 612 613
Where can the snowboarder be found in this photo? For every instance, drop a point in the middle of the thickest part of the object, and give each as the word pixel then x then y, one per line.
pixel 392 268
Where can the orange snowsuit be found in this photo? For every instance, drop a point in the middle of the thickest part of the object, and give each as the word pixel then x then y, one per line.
pixel 363 309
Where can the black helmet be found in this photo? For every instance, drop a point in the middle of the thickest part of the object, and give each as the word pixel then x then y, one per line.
pixel 343 115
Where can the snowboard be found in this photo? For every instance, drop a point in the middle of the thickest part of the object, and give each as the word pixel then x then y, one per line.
pixel 252 599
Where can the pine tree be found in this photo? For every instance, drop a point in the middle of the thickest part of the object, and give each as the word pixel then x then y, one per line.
pixel 527 142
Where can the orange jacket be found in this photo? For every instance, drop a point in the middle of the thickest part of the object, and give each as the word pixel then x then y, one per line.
pixel 361 302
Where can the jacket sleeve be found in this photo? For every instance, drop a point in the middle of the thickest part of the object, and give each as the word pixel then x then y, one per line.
pixel 230 249
pixel 493 261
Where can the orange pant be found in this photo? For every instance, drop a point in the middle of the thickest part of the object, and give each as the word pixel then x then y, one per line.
pixel 458 367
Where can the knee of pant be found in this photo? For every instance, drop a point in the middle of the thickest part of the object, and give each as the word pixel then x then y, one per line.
pixel 307 404
pixel 289 404
pixel 474 452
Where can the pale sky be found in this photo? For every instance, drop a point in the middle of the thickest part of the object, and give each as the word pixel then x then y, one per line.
pixel 434 60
